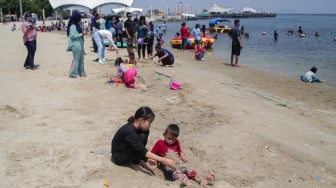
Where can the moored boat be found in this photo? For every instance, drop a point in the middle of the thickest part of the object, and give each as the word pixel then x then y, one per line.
pixel 215 27
pixel 220 29
pixel 176 42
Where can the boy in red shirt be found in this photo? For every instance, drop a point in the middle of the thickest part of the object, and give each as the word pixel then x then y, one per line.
pixel 184 35
pixel 170 142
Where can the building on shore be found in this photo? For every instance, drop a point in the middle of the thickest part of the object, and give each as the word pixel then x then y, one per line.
pixel 213 12
pixel 225 12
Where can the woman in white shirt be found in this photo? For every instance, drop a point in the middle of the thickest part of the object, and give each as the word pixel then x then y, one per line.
pixel 99 37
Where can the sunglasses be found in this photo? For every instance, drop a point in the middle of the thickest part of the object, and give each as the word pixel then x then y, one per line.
pixel 28 15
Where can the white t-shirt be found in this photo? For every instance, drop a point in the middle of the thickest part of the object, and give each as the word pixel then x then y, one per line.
pixel 308 76
pixel 106 34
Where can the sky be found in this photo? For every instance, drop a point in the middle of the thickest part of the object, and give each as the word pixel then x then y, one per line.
pixel 275 6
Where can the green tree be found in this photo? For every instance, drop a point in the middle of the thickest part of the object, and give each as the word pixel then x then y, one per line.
pixel 36 6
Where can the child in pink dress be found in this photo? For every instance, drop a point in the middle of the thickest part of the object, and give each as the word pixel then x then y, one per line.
pixel 125 73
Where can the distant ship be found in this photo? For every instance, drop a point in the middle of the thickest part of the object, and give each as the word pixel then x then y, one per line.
pixel 249 12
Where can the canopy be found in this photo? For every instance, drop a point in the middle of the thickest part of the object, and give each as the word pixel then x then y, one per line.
pixel 127 9
pixel 248 10
pixel 91 4
pixel 217 9
pixel 215 20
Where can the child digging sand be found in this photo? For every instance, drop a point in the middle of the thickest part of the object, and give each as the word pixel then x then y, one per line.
pixel 170 147
pixel 125 73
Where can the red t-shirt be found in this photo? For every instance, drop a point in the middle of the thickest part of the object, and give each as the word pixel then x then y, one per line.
pixel 161 148
pixel 184 32
pixel 199 49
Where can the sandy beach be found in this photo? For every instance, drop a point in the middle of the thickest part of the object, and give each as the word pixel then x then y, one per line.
pixel 253 128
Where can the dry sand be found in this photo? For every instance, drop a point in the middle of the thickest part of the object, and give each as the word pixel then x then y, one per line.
pixel 254 128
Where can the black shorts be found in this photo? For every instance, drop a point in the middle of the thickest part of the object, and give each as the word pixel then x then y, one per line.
pixel 235 50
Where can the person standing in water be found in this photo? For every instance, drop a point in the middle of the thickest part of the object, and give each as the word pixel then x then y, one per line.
pixel 237 44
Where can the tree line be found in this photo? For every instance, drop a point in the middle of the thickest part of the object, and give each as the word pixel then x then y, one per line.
pixel 35 6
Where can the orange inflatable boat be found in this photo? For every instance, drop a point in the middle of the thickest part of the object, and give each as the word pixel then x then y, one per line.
pixel 176 42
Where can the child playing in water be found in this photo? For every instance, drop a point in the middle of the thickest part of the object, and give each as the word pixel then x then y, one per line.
pixel 200 51
pixel 171 143
pixel 126 74
pixel 310 76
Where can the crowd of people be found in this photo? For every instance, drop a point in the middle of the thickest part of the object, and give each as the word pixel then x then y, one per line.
pixel 129 142
pixel 134 34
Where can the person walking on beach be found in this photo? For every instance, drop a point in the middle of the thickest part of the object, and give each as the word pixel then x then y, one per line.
pixel 75 44
pixel 130 27
pixel 237 44
pixel 29 30
pixel 128 145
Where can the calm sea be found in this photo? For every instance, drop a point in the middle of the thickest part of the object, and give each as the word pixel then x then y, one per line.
pixel 289 55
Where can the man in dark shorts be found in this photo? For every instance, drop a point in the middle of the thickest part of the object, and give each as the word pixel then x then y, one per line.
pixel 237 45
pixel 129 26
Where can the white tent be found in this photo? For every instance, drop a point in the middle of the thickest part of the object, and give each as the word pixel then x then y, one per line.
pixel 248 10
pixel 127 9
pixel 217 9
pixel 91 4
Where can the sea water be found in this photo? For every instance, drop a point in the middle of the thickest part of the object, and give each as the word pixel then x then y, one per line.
pixel 289 55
